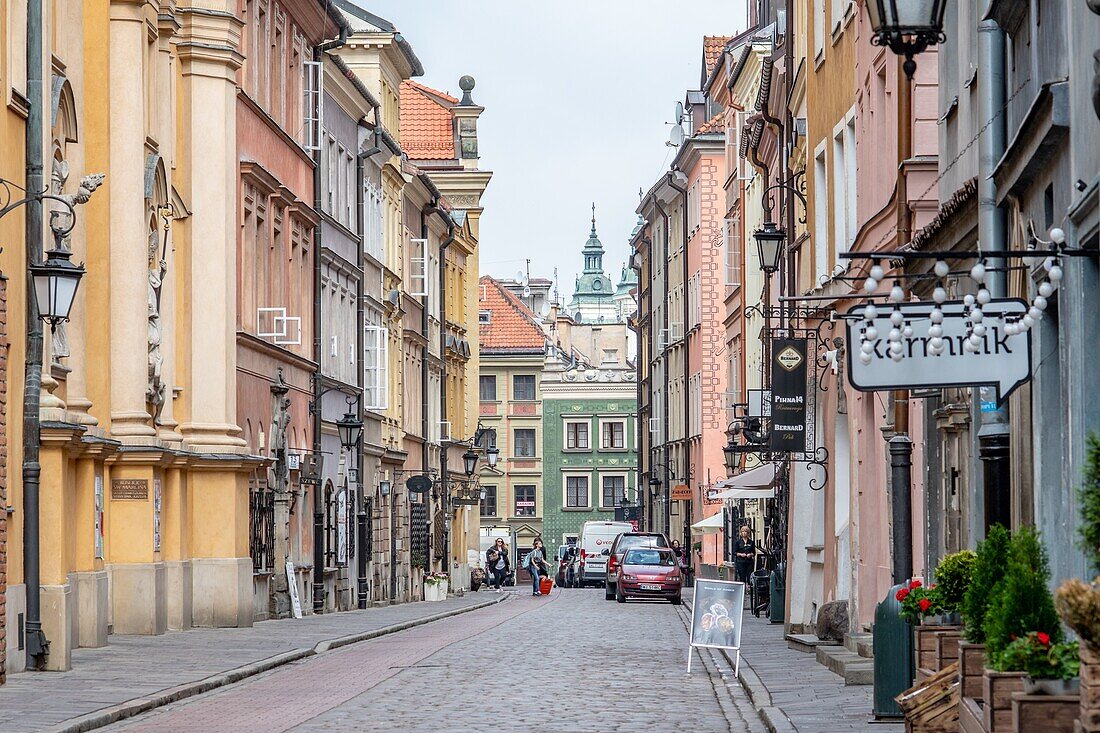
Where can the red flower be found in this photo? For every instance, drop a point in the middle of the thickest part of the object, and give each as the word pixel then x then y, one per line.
pixel 914 584
pixel 925 604
pixel 901 594
pixel 1044 639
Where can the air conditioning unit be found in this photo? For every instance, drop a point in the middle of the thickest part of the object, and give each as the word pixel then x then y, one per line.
pixel 662 339
pixel 654 424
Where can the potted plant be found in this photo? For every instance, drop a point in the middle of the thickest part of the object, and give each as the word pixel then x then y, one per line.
pixel 953 576
pixel 1078 602
pixel 918 601
pixel 435 587
pixel 989 568
pixel 1051 667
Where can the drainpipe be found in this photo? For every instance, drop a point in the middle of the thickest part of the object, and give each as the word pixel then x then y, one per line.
pixel 362 585
pixel 38 647
pixel 993 435
pixel 425 354
pixel 664 387
pixel 318 385
pixel 688 516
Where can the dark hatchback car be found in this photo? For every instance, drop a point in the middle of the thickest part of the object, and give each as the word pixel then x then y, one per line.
pixel 650 572
pixel 622 543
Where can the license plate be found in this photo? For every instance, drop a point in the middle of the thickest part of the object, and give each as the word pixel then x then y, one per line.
pixel 650 586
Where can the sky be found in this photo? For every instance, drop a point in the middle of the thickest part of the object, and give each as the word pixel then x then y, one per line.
pixel 577 94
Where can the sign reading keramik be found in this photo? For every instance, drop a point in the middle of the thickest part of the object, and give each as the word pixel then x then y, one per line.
pixel 1001 360
pixel 788 404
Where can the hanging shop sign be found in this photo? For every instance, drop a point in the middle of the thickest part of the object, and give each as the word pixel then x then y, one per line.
pixel 939 346
pixel 788 395
pixel 680 492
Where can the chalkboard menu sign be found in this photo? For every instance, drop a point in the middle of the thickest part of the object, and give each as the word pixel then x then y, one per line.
pixel 788 408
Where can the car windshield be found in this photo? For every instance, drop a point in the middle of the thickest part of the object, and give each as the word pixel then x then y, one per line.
pixel 649 557
pixel 641 540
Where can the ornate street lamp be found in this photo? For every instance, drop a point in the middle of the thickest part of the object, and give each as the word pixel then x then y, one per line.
pixel 907 27
pixel 769 246
pixel 491 455
pixel 55 284
pixel 469 462
pixel 350 428
pixel 732 455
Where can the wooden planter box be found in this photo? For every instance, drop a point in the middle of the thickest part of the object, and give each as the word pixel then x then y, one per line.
pixel 971 669
pixel 947 646
pixel 1044 713
pixel 1090 689
pixel 997 691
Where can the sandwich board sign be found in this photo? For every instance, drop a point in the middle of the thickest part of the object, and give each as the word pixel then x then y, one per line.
pixel 716 610
pixel 1002 361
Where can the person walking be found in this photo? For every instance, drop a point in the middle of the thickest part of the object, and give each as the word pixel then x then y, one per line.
pixel 496 560
pixel 680 553
pixel 744 555
pixel 535 563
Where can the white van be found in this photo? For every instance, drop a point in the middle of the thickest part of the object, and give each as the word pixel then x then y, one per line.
pixel 593 548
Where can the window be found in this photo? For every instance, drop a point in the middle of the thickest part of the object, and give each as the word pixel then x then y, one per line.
pixel 524 443
pixel 525 501
pixel 488 439
pixel 694 208
pixel 610 356
pixel 819 28
pixel 484 316
pixel 576 492
pixel 695 304
pixel 732 248
pixel 576 436
pixel 614 435
pixel 376 343
pixel 418 268
pixel 313 83
pixel 523 387
pixel 487 384
pixel 613 488
pixel 489 503
pixel 373 231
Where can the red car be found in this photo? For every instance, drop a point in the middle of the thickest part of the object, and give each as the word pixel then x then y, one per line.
pixel 649 572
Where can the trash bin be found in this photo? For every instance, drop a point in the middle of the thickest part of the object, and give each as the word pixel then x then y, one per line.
pixel 777 602
pixel 894 662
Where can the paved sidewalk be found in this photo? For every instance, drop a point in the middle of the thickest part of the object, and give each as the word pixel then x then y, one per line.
pixel 799 691
pixel 144 670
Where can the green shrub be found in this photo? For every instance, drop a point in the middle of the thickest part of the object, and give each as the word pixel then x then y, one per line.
pixel 953 578
pixel 1021 602
pixel 1089 496
pixel 989 568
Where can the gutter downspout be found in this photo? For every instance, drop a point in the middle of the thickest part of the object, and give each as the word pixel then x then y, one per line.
pixel 318 387
pixel 688 513
pixel 994 433
pixel 38 647
pixel 425 354
pixel 664 387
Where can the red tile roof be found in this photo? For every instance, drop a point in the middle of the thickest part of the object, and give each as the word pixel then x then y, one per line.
pixel 512 326
pixel 714 124
pixel 427 131
pixel 712 50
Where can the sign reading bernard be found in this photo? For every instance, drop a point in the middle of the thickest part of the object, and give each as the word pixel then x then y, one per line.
pixel 993 357
pixel 716 608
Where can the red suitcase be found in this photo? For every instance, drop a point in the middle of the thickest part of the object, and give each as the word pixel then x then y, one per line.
pixel 545 584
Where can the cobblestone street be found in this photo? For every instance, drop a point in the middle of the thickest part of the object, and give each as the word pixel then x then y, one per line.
pixel 571 662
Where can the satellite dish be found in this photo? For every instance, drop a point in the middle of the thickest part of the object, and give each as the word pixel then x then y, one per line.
pixel 676 138
pixel 519 276
pixel 679 117
pixel 526 292
pixel 418 484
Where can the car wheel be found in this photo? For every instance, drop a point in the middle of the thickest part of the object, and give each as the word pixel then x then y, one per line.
pixel 608 592
pixel 678 600
pixel 619 595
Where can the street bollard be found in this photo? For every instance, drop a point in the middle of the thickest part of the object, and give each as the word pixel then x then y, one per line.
pixel 777 597
pixel 894 663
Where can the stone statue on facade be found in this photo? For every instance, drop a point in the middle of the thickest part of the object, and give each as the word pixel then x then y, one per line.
pixel 155 387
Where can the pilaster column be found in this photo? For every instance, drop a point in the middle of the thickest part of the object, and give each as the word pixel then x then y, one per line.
pixel 129 267
pixel 205 261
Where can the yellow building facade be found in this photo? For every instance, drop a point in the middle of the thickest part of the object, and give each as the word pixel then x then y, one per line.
pixel 144 492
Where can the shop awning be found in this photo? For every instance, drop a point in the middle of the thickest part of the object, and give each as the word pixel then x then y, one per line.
pixel 711 525
pixel 755 484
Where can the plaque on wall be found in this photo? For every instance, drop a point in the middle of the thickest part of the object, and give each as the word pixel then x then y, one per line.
pixel 129 489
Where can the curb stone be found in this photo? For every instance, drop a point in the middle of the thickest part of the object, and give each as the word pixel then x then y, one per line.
pixel 136 706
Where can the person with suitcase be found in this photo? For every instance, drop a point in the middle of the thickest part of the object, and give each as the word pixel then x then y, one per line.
pixel 535 563
pixel 496 560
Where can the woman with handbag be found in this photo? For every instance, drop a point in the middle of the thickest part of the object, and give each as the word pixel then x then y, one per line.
pixel 535 563
pixel 496 560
